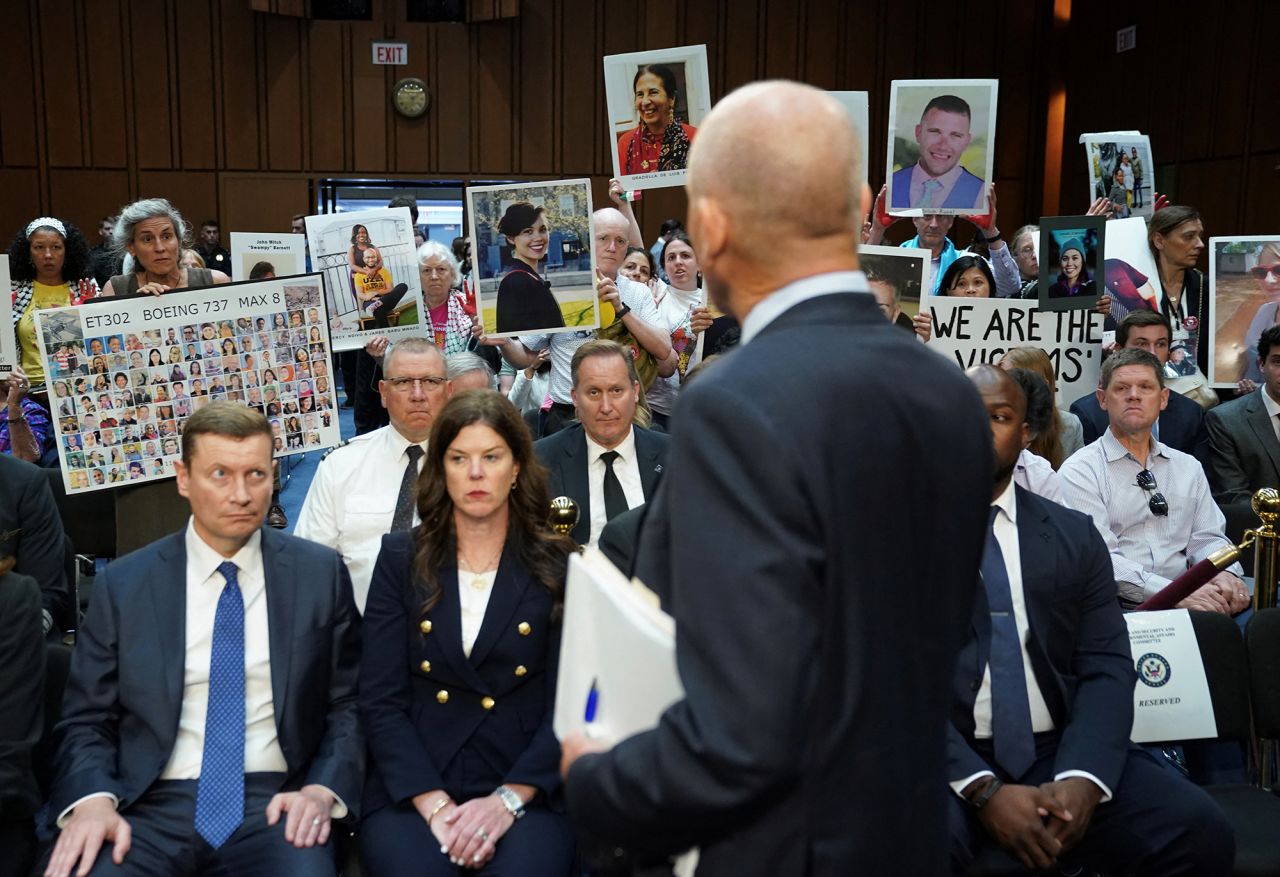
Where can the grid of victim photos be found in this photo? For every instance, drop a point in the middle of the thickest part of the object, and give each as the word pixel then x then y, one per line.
pixel 120 400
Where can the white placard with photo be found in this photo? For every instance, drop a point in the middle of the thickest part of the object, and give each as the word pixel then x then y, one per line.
pixel 124 374
pixel 532 257
pixel 1122 171
pixel 370 267
pixel 906 269
pixel 1171 697
pixel 8 338
pixel 271 255
pixel 656 101
pixel 941 154
pixel 857 105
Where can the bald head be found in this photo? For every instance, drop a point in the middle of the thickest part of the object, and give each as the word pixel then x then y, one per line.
pixel 805 185
pixel 610 232
pixel 991 377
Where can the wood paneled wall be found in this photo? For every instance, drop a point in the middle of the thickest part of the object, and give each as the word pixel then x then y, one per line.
pixel 232 113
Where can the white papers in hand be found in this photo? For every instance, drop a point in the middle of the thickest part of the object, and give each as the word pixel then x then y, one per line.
pixel 615 636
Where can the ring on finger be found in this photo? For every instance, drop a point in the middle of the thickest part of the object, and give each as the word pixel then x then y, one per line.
pixel 482 834
pixel 315 821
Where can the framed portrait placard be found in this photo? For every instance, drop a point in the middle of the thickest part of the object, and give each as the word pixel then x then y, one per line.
pixel 656 101
pixel 125 373
pixel 941 153
pixel 533 258
pixel 1072 263
pixel 370 267
pixel 268 255
pixel 1244 301
pixel 1122 171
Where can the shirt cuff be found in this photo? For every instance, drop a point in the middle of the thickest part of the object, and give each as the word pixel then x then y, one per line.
pixel 960 785
pixel 1153 584
pixel 339 808
pixel 66 814
pixel 1106 793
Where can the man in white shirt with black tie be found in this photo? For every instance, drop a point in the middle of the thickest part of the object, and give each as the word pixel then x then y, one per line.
pixel 604 462
pixel 1038 746
pixel 197 736
pixel 365 488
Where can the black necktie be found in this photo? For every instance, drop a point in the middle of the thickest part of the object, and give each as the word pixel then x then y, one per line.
pixel 615 501
pixel 403 517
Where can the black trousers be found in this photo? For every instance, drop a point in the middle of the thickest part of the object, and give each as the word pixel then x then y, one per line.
pixel 165 842
pixel 1158 823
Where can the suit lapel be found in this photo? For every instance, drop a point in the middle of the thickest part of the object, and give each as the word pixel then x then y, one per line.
pixel 508 592
pixel 446 617
pixel 1038 552
pixel 281 586
pixel 169 601
pixel 647 460
pixel 577 484
pixel 1256 414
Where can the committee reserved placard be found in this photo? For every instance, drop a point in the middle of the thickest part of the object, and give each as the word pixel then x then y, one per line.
pixel 125 373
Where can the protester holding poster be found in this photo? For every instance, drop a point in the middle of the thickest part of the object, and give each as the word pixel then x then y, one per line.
pixel 153 232
pixel 107 421
pixel 1176 238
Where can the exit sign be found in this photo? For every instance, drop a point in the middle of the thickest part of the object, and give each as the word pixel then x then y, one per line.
pixel 1126 39
pixel 391 54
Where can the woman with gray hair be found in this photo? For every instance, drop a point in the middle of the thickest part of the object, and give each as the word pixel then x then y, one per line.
pixel 153 232
pixel 448 323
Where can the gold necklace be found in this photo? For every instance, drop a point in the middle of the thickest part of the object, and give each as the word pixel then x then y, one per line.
pixel 479 582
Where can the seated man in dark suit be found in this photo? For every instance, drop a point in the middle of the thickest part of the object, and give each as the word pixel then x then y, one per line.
pixel 22 665
pixel 605 463
pixel 196 736
pixel 31 531
pixel 1181 424
pixel 1038 746
pixel 1244 445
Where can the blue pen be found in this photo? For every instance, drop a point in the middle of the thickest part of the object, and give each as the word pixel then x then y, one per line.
pixel 593 700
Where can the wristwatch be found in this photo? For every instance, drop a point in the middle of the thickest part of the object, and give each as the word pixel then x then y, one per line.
pixel 511 801
pixel 981 799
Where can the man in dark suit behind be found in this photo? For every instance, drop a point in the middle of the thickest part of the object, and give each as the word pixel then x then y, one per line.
pixel 819 590
pixel 1039 753
pixel 604 462
pixel 1244 450
pixel 31 531
pixel 197 735
pixel 1181 424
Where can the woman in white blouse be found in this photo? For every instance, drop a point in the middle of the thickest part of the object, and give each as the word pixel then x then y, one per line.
pixel 682 305
pixel 461 647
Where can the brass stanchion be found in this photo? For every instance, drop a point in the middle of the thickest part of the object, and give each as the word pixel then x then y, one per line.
pixel 1266 572
pixel 564 515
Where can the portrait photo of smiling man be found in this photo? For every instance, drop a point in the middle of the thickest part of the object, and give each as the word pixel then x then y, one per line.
pixel 940 155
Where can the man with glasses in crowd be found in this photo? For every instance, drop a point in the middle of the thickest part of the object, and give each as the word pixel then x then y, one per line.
pixel 1151 503
pixel 364 488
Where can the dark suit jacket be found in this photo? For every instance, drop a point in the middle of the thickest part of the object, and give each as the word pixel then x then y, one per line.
pixel 1244 456
pixel 422 699
pixel 565 455
pixel 27 505
pixel 124 695
pixel 1078 645
pixel 820 561
pixel 1181 424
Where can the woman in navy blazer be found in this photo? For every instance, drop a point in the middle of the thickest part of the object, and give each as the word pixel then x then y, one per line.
pixel 461 646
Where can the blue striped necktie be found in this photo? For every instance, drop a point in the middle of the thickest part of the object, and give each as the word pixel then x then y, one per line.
pixel 220 790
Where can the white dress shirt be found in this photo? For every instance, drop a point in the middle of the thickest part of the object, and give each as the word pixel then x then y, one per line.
pixel 474 601
pixel 1273 410
pixel 1147 551
pixel 673 307
pixel 352 500
pixel 1034 473
pixel 1005 528
pixel 204 587
pixel 626 467
pixel 777 303
pixel 919 176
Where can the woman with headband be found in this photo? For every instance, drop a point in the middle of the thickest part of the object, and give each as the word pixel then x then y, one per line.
pixel 50 266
